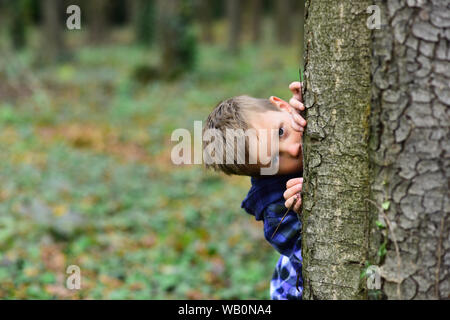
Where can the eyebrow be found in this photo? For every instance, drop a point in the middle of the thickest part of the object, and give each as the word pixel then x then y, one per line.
pixel 280 123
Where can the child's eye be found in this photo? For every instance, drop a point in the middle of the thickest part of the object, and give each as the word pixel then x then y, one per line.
pixel 281 132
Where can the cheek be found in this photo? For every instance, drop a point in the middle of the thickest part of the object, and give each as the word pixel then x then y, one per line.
pixel 297 136
pixel 289 165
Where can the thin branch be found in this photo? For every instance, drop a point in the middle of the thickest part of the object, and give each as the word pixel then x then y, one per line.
pixel 287 211
pixel 438 267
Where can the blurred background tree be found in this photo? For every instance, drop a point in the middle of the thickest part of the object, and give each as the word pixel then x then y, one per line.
pixel 98 15
pixel 204 9
pixel 284 17
pixel 178 42
pixel 53 46
pixel 234 16
pixel 144 20
pixel 20 19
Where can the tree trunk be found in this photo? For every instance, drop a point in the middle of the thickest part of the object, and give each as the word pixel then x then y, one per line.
pixel 335 214
pixel 283 21
pixel 205 18
pixel 144 21
pixel 53 46
pixel 410 146
pixel 234 24
pixel 177 41
pixel 98 21
pixel 302 32
pixel 385 160
pixel 18 13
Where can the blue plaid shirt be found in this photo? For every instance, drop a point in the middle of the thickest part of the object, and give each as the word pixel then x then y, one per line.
pixel 265 201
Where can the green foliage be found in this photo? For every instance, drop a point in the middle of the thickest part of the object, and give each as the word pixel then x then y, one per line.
pixel 380 224
pixel 382 249
pixel 385 205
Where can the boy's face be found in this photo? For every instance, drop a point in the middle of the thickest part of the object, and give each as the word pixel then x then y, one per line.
pixel 290 140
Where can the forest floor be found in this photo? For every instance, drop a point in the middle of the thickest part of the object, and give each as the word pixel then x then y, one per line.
pixel 86 179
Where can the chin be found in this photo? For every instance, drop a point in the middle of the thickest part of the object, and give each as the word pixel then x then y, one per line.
pixel 290 170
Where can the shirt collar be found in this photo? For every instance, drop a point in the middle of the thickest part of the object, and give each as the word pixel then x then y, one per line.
pixel 264 191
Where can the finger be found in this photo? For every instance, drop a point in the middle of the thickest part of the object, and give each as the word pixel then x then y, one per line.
pixel 293 182
pixel 296 127
pixel 288 202
pixel 298 204
pixel 299 119
pixel 295 86
pixel 295 103
pixel 292 191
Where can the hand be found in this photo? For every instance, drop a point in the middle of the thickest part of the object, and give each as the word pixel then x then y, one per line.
pixel 296 102
pixel 293 189
pixel 297 98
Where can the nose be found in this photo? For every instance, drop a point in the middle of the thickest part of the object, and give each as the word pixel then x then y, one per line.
pixel 293 149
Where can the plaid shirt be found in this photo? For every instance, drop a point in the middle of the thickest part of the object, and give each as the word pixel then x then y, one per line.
pixel 265 201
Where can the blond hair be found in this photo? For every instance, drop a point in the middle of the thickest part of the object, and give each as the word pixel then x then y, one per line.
pixel 233 114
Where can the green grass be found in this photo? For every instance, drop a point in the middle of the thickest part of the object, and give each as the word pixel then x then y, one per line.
pixel 86 179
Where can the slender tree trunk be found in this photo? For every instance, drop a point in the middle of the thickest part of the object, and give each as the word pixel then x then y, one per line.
pixel 144 20
pixel 302 32
pixel 205 18
pixel 335 215
pixel 410 146
pixel 283 21
pixel 18 13
pixel 98 21
pixel 177 41
pixel 53 46
pixel 256 19
pixel 234 17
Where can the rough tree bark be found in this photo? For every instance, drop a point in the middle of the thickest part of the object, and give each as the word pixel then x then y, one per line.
pixel 335 214
pixel 410 145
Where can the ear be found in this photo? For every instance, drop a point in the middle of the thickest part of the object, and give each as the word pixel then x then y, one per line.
pixel 280 103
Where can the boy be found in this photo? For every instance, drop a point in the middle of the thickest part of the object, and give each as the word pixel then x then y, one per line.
pixel 269 196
